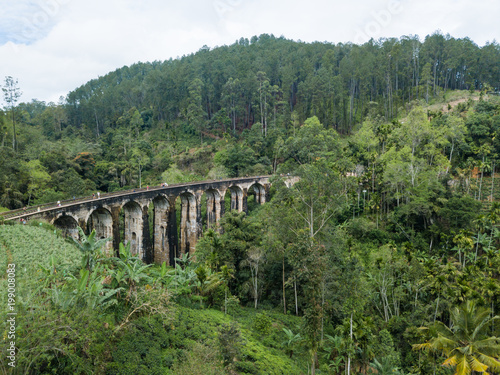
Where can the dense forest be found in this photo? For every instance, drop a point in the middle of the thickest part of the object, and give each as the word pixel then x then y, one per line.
pixel 383 258
pixel 138 119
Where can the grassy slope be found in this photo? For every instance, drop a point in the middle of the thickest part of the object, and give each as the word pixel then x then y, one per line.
pixel 260 350
pixel 31 249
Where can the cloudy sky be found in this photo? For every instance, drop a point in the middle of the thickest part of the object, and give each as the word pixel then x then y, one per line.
pixel 54 46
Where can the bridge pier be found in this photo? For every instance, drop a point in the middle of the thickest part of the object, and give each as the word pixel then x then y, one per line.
pixel 161 247
pixel 260 194
pixel 134 224
pixel 238 199
pixel 190 223
pixel 215 208
pixel 115 215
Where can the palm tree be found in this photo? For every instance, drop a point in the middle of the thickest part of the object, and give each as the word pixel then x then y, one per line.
pixel 384 367
pixel 207 280
pixel 130 269
pixel 467 346
pixel 335 347
pixel 226 274
pixel 292 339
pixel 483 224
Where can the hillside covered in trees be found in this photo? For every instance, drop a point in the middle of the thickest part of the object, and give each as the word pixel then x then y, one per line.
pixel 140 118
pixel 391 228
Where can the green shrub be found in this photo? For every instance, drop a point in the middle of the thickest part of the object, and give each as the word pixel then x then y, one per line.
pixel 230 342
pixel 141 348
pixel 262 323
pixel 246 367
pixel 199 360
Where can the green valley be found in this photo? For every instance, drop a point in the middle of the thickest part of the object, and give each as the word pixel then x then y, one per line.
pixel 382 258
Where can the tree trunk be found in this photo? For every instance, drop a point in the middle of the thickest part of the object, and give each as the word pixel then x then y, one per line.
pixel 261 108
pixel 96 124
pixel 284 298
pixel 296 302
pixel 437 305
pixel 322 306
pixel 349 357
pixel 481 181
pixel 140 177
pixel 265 114
pixel 492 179
pixel 492 315
pixel 477 247
pixel 14 135
pixel 451 153
pixel 234 118
pixel 256 284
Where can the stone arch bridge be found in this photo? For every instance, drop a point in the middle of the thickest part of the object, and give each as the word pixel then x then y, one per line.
pixel 125 215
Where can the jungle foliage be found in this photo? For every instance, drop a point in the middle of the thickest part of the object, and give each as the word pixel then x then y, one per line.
pixel 386 245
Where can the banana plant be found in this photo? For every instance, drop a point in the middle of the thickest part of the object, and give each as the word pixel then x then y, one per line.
pixel 135 274
pixel 184 280
pixel 164 276
pixel 88 290
pixel 130 270
pixel 292 340
pixel 50 272
pixel 184 260
pixel 206 280
pixel 92 291
pixel 90 248
pixel 64 297
pixel 384 367
pixel 334 347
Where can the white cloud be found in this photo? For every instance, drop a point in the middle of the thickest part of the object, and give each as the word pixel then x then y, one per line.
pixel 54 46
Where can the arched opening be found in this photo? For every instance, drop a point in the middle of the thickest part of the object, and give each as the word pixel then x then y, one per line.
pixel 101 221
pixel 68 226
pixel 161 247
pixel 133 228
pixel 252 203
pixel 238 199
pixel 256 195
pixel 227 201
pixel 277 185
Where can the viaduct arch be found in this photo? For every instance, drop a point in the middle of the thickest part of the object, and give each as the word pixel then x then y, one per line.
pixel 124 215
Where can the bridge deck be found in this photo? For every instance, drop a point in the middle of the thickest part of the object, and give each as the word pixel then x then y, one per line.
pixel 40 208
